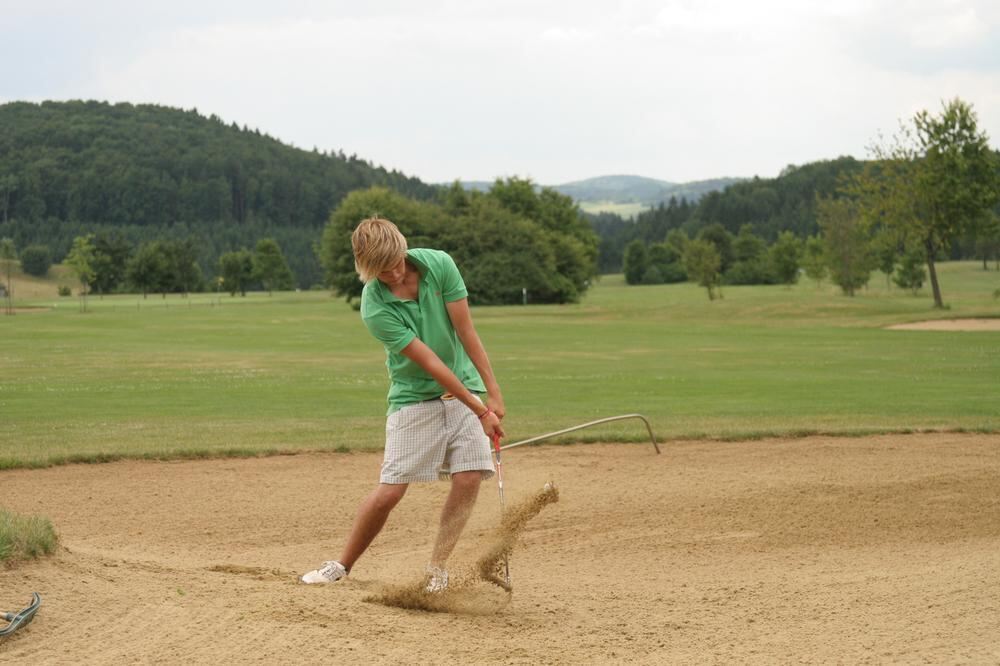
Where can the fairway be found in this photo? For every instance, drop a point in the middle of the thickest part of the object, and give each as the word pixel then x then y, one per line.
pixel 806 546
pixel 876 549
pixel 214 375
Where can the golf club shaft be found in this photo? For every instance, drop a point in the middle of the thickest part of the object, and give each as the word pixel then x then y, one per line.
pixel 496 450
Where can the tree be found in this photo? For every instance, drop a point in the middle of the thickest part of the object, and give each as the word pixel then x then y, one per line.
pixel 81 261
pixel 414 219
pixel 8 185
pixel 501 253
pixel 750 265
pixel 703 264
pixel 270 267
pixel 933 181
pixel 668 262
pixel 885 252
pixel 36 260
pixel 147 269
pixel 111 255
pixel 182 272
pixel 987 243
pixel 911 273
pixel 813 261
pixel 236 270
pixel 845 238
pixel 677 240
pixel 652 275
pixel 784 257
pixel 499 248
pixel 636 262
pixel 723 241
pixel 566 231
pixel 8 257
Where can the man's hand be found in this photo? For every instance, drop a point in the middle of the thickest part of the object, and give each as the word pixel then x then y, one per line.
pixel 491 425
pixel 496 404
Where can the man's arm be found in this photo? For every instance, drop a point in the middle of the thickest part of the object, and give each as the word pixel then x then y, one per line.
pixel 461 319
pixel 424 356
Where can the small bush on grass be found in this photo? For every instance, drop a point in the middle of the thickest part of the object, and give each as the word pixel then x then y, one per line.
pixel 25 537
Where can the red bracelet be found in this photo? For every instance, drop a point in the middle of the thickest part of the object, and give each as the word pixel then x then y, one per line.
pixel 486 413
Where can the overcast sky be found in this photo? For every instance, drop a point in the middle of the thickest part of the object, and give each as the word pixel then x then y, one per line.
pixel 552 90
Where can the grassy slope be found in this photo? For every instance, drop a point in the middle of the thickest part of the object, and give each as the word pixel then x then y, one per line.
pixel 169 377
pixel 625 210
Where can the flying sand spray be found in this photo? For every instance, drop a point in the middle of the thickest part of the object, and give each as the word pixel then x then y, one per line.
pixel 494 565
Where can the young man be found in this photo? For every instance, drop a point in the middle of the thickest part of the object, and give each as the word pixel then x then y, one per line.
pixel 414 302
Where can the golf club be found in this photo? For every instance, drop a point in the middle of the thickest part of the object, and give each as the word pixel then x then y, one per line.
pixel 496 451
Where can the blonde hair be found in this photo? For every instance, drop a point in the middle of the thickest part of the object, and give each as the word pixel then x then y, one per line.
pixel 378 245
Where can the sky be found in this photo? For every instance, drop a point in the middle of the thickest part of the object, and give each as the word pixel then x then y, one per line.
pixel 555 91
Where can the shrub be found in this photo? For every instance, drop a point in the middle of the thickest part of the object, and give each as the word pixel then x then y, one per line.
pixel 652 276
pixel 25 537
pixel 36 260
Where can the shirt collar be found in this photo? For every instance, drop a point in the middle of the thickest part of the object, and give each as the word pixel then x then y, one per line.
pixel 387 295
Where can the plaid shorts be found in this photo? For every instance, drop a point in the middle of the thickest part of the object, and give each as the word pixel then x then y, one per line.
pixel 433 440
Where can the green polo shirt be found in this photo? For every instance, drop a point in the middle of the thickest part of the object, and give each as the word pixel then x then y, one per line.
pixel 396 322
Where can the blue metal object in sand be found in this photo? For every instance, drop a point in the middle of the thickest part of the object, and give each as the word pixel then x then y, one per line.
pixel 20 618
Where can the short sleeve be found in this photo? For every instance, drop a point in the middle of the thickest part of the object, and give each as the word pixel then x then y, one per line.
pixel 390 330
pixel 452 285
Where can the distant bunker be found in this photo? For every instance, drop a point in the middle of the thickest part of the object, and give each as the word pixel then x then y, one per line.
pixel 950 325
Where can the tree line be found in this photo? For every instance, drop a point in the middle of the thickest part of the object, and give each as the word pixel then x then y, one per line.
pixel 109 264
pixel 150 172
pixel 770 205
pixel 929 193
pixel 513 243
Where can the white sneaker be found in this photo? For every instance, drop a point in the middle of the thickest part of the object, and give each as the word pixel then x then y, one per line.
pixel 330 572
pixel 437 579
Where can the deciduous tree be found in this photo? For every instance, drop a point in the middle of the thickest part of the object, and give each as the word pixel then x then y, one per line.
pixel 636 262
pixel 784 258
pixel 703 264
pixel 81 261
pixel 8 257
pixel 845 238
pixel 36 260
pixel 813 261
pixel 931 181
pixel 270 267
pixel 236 270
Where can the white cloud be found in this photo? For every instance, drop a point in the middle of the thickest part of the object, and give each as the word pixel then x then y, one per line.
pixel 556 90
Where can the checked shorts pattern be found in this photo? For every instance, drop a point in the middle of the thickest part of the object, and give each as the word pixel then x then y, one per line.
pixel 433 440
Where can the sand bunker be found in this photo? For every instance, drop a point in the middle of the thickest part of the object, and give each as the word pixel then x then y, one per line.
pixel 462 595
pixel 818 550
pixel 950 325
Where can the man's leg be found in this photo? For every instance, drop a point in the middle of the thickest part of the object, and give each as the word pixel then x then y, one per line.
pixel 455 514
pixel 370 520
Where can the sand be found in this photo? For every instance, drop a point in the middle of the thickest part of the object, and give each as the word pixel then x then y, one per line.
pixel 880 549
pixel 950 325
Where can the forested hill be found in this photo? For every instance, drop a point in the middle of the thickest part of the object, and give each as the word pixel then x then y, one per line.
pixel 149 172
pixel 768 205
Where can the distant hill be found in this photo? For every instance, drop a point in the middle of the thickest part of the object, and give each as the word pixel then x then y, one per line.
pixel 146 172
pixel 626 195
pixel 640 190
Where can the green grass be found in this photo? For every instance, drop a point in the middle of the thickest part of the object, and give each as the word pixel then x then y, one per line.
pixel 25 537
pixel 205 376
